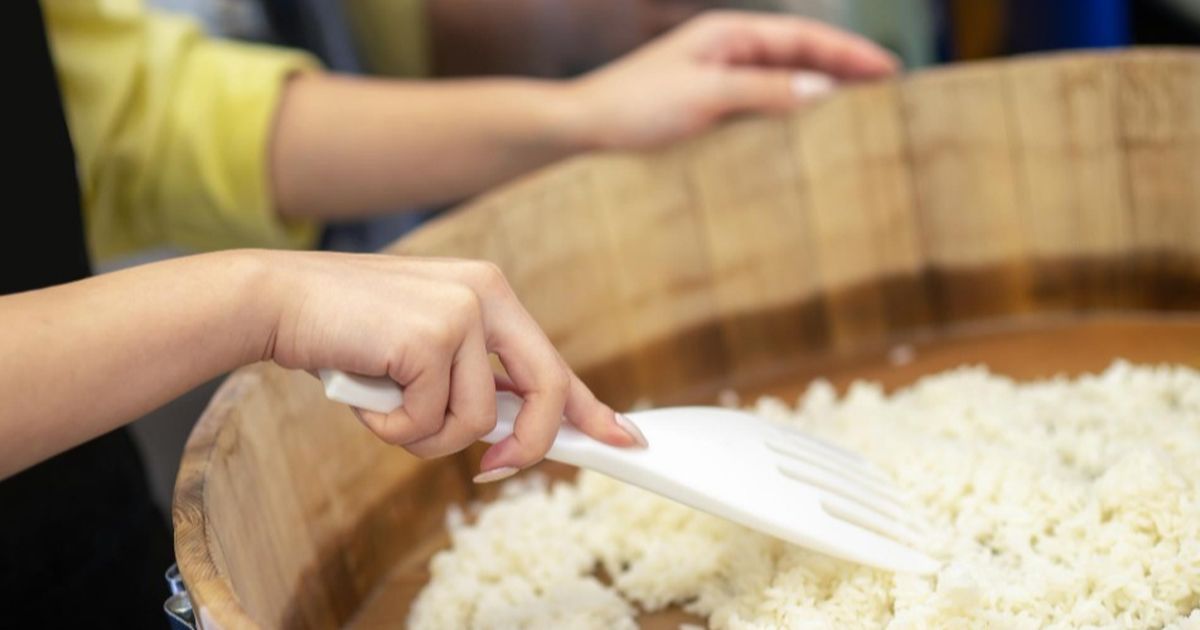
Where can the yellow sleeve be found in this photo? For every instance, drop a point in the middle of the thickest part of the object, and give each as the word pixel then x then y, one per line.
pixel 170 129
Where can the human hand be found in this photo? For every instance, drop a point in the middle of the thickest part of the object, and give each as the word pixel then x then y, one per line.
pixel 429 325
pixel 716 65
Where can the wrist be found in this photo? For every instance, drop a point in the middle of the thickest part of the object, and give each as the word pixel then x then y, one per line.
pixel 572 118
pixel 256 291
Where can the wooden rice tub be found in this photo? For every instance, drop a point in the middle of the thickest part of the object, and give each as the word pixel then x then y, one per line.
pixel 1040 215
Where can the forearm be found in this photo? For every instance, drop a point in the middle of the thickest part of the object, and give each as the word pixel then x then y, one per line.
pixel 83 358
pixel 350 147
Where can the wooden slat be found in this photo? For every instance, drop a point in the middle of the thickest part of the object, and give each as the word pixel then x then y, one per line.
pixel 1075 196
pixel 1160 132
pixel 755 237
pixel 853 167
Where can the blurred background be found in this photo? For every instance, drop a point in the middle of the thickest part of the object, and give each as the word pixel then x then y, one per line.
pixel 564 38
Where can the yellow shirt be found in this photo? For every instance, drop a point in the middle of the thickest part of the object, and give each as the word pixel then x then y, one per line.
pixel 170 128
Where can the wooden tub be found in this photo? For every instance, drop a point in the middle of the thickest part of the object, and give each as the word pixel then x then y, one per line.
pixel 1039 215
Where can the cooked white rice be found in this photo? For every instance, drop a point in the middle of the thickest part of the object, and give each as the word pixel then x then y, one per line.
pixel 1062 503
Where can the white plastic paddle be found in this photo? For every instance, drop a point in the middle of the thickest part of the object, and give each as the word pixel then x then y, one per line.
pixel 732 464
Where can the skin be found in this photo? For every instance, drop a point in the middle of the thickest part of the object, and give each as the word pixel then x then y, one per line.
pixel 88 356
pixel 347 148
pixel 152 332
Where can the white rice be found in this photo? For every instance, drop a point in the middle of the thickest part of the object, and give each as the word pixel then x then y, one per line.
pixel 1057 504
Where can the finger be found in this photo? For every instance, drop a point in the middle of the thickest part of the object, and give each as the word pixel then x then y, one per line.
pixel 532 364
pixel 598 420
pixel 543 383
pixel 472 402
pixel 396 428
pixel 766 90
pixel 426 395
pixel 794 42
pixel 589 415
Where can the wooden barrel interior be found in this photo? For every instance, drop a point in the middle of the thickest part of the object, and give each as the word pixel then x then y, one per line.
pixel 1024 350
pixel 1028 214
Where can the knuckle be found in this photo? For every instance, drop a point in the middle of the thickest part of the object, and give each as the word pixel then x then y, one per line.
pixel 464 309
pixel 421 451
pixel 393 435
pixel 488 277
pixel 481 423
pixel 540 446
pixel 432 451
pixel 536 440
pixel 529 453
pixel 445 338
pixel 405 430
pixel 443 333
pixel 397 358
pixel 440 444
pixel 460 296
pixel 558 381
pixel 428 426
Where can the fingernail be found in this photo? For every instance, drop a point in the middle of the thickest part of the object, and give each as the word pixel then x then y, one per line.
pixel 632 430
pixel 807 85
pixel 496 474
